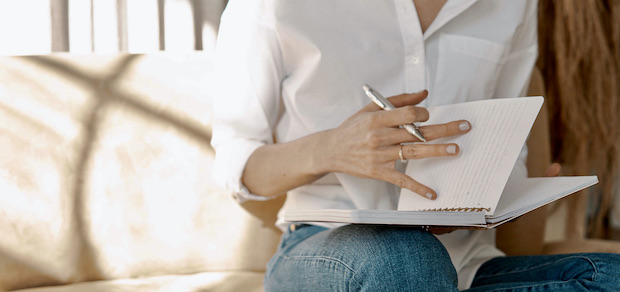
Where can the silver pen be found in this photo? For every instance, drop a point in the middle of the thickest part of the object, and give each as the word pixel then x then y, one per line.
pixel 387 105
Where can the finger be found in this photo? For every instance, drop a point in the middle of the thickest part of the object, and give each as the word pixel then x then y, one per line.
pixel 437 230
pixel 408 98
pixel 553 170
pixel 420 151
pixel 401 116
pixel 399 100
pixel 433 132
pixel 404 181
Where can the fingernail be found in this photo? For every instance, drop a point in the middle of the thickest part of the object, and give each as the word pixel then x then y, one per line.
pixel 429 196
pixel 451 149
pixel 464 126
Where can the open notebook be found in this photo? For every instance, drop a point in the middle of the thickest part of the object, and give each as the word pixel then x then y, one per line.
pixel 474 188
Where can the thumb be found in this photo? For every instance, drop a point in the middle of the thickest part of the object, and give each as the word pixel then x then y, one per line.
pixel 553 170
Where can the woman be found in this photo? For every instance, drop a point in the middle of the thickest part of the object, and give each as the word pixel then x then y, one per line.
pixel 291 118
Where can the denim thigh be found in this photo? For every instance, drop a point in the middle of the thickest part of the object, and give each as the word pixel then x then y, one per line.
pixel 360 258
pixel 565 272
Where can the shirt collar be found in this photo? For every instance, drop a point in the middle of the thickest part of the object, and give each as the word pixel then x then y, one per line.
pixel 450 10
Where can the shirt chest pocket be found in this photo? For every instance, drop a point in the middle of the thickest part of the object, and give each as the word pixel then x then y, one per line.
pixel 468 68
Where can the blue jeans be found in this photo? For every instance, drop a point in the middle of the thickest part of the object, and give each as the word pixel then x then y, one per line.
pixel 392 258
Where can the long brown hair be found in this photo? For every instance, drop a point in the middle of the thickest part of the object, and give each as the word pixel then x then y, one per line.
pixel 580 61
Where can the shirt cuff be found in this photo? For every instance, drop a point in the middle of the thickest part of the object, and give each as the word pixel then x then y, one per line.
pixel 230 162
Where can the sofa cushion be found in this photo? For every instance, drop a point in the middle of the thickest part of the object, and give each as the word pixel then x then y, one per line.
pixel 106 171
pixel 210 281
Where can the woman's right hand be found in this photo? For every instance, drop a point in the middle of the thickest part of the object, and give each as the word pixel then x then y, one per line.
pixel 367 144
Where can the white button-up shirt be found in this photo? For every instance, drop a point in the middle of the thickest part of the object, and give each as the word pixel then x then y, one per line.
pixel 289 68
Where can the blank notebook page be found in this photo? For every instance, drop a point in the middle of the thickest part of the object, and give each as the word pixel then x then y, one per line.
pixel 476 177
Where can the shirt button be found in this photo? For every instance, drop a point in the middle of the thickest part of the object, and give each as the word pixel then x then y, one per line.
pixel 414 60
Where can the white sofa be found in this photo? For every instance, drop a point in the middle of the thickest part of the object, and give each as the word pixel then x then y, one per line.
pixel 105 175
pixel 105 182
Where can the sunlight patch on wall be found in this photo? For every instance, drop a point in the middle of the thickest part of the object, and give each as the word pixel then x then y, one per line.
pixel 142 26
pixel 179 27
pixel 25 27
pixel 105 26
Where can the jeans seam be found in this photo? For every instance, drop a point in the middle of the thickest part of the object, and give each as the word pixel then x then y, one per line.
pixel 512 272
pixel 543 265
pixel 353 271
pixel 594 267
pixel 324 258
pixel 353 279
pixel 531 286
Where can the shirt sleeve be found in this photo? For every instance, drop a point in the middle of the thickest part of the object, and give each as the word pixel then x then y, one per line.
pixel 514 78
pixel 246 91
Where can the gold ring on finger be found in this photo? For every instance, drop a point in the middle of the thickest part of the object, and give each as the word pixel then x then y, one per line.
pixel 400 153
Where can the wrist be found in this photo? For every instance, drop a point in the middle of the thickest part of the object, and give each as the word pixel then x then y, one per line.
pixel 320 150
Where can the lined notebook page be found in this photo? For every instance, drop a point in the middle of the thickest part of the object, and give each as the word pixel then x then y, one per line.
pixel 476 177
